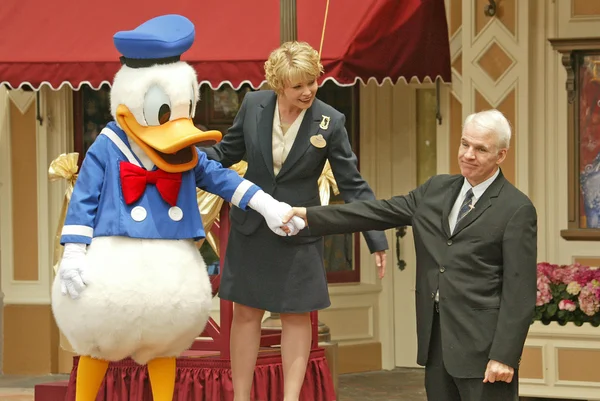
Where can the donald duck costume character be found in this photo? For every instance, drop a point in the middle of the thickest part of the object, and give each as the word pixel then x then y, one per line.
pixel 131 282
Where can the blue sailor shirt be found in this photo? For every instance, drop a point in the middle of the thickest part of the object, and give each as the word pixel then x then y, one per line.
pixel 97 206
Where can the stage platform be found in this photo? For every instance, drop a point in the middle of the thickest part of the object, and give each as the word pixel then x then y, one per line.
pixel 201 376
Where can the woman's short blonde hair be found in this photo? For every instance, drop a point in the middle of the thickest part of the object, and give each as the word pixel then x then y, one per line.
pixel 292 62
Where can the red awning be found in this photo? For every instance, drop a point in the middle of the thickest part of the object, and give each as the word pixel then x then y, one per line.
pixel 70 42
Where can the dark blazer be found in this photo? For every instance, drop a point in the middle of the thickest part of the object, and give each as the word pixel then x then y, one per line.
pixel 297 181
pixel 485 270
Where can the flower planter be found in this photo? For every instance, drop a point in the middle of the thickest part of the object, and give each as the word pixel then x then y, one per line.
pixel 563 346
pixel 568 293
pixel 561 362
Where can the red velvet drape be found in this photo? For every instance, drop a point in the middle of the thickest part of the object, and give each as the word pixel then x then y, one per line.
pixel 206 379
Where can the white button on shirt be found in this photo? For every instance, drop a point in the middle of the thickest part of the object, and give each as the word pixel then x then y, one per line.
pixel 478 191
pixel 138 213
pixel 175 213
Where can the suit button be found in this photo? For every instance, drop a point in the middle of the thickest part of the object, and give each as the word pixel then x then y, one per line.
pixel 433 295
pixel 442 269
pixel 449 242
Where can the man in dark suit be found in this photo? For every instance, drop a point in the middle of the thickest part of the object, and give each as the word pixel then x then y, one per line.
pixel 476 242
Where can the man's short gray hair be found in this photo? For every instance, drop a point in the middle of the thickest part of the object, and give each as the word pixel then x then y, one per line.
pixel 491 121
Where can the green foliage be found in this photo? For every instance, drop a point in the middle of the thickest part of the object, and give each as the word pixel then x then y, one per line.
pixel 208 254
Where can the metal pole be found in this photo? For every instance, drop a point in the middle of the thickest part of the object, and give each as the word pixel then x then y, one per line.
pixel 287 33
pixel 287 20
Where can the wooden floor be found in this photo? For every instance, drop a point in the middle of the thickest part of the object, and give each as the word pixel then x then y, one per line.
pixel 20 388
pixel 398 384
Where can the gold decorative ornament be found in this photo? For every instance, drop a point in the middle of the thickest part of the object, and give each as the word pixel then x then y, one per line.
pixel 63 167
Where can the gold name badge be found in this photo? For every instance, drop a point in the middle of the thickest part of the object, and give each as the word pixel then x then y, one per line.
pixel 318 141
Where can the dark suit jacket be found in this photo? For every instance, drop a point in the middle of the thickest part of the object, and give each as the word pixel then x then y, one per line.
pixel 297 181
pixel 485 270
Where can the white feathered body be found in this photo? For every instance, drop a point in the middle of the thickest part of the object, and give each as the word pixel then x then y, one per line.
pixel 146 298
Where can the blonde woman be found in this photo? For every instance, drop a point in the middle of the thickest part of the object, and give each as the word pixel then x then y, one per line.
pixel 286 134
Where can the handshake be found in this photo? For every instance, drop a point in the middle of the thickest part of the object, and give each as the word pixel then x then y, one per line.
pixel 281 218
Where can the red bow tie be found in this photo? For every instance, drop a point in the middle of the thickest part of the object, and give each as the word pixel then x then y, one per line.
pixel 134 180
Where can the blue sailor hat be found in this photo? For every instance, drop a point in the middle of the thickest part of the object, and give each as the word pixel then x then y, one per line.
pixel 160 40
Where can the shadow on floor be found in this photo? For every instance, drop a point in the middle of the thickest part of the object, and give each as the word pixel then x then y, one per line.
pixel 398 384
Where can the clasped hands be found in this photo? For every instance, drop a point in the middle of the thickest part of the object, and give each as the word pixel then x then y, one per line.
pixel 296 215
pixel 288 220
pixel 279 216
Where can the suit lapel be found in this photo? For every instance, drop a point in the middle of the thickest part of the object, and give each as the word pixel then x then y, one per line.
pixel 265 130
pixel 308 127
pixel 449 200
pixel 482 204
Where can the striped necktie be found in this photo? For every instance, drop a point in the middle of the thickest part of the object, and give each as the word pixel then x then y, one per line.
pixel 465 208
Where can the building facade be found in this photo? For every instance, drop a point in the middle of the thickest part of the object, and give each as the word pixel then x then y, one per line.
pixel 404 134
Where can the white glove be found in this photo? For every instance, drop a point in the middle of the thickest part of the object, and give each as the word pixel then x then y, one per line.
pixel 295 225
pixel 72 269
pixel 273 211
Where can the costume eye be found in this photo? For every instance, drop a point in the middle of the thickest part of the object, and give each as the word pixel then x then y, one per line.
pixel 157 106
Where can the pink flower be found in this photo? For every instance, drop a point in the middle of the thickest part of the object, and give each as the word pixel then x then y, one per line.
pixel 586 274
pixel 567 305
pixel 564 274
pixel 545 269
pixel 588 302
pixel 544 295
pixel 582 282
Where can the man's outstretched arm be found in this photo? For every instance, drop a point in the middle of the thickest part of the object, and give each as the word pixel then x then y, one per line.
pixel 361 215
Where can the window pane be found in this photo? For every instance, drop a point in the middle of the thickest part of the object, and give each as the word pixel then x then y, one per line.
pixel 96 113
pixel 340 253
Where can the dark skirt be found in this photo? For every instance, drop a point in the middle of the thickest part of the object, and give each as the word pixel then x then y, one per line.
pixel 269 272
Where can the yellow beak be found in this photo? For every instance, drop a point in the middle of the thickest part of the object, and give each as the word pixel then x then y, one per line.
pixel 170 146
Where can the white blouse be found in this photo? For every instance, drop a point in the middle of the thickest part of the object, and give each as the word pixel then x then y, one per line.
pixel 283 138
